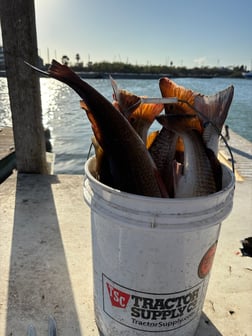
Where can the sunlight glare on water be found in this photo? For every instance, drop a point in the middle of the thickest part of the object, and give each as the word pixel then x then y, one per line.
pixel 69 129
pixel 5 111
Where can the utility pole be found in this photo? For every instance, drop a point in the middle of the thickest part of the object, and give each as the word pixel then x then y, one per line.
pixel 20 44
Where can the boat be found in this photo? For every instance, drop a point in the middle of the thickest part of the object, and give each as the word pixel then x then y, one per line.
pixel 247 75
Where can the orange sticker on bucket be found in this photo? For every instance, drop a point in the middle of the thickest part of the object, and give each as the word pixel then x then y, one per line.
pixel 207 261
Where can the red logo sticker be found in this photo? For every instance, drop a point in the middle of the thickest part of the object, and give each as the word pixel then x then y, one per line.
pixel 207 261
pixel 118 298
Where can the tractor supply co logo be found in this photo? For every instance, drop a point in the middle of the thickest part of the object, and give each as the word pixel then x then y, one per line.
pixel 148 311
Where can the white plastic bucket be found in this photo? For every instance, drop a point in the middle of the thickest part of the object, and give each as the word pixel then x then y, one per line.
pixel 152 257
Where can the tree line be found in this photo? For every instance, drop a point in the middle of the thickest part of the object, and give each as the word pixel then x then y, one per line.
pixel 171 69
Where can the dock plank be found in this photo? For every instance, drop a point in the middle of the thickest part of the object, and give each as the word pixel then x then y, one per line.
pixel 242 153
pixel 6 141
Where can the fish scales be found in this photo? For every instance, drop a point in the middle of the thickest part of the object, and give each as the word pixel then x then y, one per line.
pixel 163 150
pixel 198 177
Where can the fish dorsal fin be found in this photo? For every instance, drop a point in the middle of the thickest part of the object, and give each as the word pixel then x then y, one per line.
pixel 127 101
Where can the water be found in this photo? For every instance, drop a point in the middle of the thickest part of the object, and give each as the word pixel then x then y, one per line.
pixel 70 128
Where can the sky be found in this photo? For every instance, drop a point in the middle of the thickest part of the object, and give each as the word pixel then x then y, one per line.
pixel 146 32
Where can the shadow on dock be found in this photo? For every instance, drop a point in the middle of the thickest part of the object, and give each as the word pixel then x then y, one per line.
pixel 241 153
pixel 39 280
pixel 206 327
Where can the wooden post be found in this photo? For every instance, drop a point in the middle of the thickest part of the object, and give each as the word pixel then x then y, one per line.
pixel 20 44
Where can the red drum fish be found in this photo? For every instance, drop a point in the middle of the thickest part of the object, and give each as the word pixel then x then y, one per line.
pixel 202 173
pixel 131 165
pixel 211 110
pixel 140 115
pixel 167 148
pixel 179 160
pixel 163 152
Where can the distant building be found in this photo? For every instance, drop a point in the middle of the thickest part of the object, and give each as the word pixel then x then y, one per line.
pixel 2 64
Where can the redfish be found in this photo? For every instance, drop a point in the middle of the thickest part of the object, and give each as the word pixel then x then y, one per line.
pixel 211 110
pixel 140 115
pixel 202 173
pixel 131 165
pixel 163 152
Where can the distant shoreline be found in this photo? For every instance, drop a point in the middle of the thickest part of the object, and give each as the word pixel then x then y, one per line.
pixel 142 76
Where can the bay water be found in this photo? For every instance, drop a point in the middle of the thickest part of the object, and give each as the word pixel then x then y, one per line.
pixel 71 131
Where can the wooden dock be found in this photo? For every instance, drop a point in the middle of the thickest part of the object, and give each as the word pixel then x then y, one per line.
pixel 6 142
pixel 242 154
pixel 7 154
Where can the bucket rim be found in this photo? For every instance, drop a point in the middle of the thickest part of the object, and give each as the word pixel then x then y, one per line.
pixel 109 189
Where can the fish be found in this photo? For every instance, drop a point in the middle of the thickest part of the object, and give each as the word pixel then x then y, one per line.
pixel 130 163
pixel 202 172
pixel 180 160
pixel 167 149
pixel 140 115
pixel 212 112
pixel 102 170
pixel 163 152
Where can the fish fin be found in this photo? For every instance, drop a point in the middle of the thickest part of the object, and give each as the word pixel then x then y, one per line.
pixel 147 112
pixel 177 122
pixel 116 105
pixel 213 112
pixel 142 118
pixel 215 108
pixel 151 138
pixel 102 169
pixel 114 87
pixel 37 69
pixel 94 125
pixel 127 101
pixel 83 105
pixel 169 88
pixel 65 75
